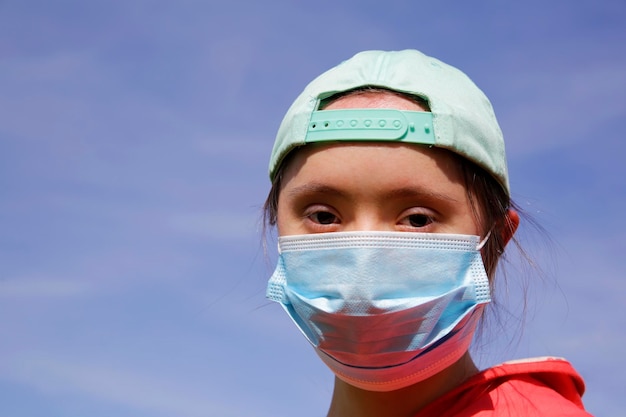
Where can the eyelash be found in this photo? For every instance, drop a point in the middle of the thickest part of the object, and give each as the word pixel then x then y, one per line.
pixel 328 222
pixel 324 214
pixel 422 219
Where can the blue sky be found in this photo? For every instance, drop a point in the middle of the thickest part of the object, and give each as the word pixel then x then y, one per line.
pixel 134 139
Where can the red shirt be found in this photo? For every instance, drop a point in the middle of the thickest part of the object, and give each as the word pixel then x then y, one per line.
pixel 526 388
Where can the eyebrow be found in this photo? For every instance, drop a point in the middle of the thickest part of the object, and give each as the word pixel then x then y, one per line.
pixel 416 192
pixel 315 188
pixel 396 193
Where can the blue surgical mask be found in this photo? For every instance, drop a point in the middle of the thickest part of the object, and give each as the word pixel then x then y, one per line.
pixel 383 310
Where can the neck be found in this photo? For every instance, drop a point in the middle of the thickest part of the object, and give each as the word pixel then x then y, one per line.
pixel 348 400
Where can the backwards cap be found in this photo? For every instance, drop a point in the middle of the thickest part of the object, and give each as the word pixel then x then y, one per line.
pixel 461 118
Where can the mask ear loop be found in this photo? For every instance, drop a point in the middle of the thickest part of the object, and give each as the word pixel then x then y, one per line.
pixel 483 242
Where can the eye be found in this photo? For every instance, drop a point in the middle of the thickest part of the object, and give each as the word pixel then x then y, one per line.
pixel 323 217
pixel 419 220
pixel 416 221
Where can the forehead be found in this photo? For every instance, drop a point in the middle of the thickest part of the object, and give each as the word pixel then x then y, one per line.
pixel 367 168
pixel 379 99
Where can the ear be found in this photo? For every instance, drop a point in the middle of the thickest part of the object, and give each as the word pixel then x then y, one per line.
pixel 511 223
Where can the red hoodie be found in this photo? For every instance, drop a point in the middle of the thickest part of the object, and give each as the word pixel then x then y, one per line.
pixel 539 387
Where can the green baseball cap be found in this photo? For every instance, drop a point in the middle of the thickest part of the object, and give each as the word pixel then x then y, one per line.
pixel 461 118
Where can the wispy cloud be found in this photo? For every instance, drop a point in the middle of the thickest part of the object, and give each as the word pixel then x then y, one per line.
pixel 216 225
pixel 122 387
pixel 562 106
pixel 43 287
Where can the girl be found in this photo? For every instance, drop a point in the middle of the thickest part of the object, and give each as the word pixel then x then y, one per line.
pixel 391 198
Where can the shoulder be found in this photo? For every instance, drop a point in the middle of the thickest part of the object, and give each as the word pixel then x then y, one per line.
pixel 530 388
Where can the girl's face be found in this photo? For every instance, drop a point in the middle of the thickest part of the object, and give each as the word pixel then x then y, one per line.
pixel 374 186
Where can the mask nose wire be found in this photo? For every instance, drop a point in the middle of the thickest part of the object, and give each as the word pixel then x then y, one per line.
pixel 483 242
